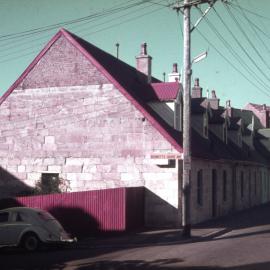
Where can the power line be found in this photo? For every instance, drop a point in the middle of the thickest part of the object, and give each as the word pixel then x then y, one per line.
pixel 93 32
pixel 60 24
pixel 248 56
pixel 120 23
pixel 235 54
pixel 230 63
pixel 229 47
pixel 253 26
pixel 250 11
pixel 247 38
pixel 93 26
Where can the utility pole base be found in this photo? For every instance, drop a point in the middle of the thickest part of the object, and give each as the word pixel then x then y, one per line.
pixel 186 233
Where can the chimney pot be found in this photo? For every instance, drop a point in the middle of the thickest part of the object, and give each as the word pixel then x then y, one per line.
pixel 228 103
pixel 264 107
pixel 144 49
pixel 213 94
pixel 196 89
pixel 144 63
pixel 164 76
pixel 175 68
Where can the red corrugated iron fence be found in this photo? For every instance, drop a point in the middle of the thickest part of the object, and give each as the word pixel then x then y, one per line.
pixel 88 212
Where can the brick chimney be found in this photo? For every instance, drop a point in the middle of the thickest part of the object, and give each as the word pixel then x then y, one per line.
pixel 264 116
pixel 175 75
pixel 196 89
pixel 229 108
pixel 144 62
pixel 214 101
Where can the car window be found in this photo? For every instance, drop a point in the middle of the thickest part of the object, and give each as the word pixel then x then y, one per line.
pixel 19 217
pixel 4 217
pixel 45 215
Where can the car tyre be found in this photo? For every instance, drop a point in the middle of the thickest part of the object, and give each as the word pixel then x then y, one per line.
pixel 30 242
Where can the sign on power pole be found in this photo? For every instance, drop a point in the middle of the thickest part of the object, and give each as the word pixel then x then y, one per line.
pixel 186 223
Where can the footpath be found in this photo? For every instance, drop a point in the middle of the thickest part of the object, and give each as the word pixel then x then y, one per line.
pixel 149 238
pixel 201 232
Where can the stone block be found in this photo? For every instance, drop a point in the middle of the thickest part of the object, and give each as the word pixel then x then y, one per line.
pixel 75 161
pixel 54 168
pixel 157 176
pixel 36 161
pixel 14 161
pixel 21 168
pixel 49 161
pixel 72 168
pixel 20 175
pixel 126 177
pixel 89 169
pixel 12 169
pixel 49 140
pixel 3 161
pixel 84 176
pixel 104 168
pixel 72 176
pixel 49 147
pixel 33 176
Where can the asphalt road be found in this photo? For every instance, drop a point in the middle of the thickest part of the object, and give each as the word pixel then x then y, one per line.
pixel 240 241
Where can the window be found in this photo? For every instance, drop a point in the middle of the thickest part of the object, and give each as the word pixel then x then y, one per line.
pixel 19 217
pixel 224 186
pixel 242 184
pixel 4 217
pixel 50 183
pixel 200 187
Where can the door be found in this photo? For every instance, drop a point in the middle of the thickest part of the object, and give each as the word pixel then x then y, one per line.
pixel 214 193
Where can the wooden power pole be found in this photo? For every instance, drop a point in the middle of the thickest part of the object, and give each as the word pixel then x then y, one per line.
pixel 186 223
pixel 187 71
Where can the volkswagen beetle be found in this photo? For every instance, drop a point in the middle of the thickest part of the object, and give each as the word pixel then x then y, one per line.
pixel 29 228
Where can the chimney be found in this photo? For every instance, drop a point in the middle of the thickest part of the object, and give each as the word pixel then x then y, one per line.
pixel 264 116
pixel 213 94
pixel 175 75
pixel 196 89
pixel 229 108
pixel 144 62
pixel 214 101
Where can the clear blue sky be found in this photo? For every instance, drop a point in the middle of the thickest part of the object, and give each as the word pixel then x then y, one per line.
pixel 160 27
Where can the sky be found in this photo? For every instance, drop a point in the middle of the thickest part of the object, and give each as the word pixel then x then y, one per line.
pixel 236 37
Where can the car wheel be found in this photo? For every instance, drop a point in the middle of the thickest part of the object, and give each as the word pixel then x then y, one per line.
pixel 30 242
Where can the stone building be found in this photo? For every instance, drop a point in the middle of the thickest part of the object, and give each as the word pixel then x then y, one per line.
pixel 83 116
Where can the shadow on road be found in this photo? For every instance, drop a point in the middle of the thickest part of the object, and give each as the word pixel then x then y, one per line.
pixel 247 219
pixel 172 264
pixel 86 255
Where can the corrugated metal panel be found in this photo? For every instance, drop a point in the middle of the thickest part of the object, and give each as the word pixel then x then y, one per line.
pixel 134 208
pixel 88 212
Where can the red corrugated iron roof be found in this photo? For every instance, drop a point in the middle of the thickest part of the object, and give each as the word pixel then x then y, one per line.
pixel 166 91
